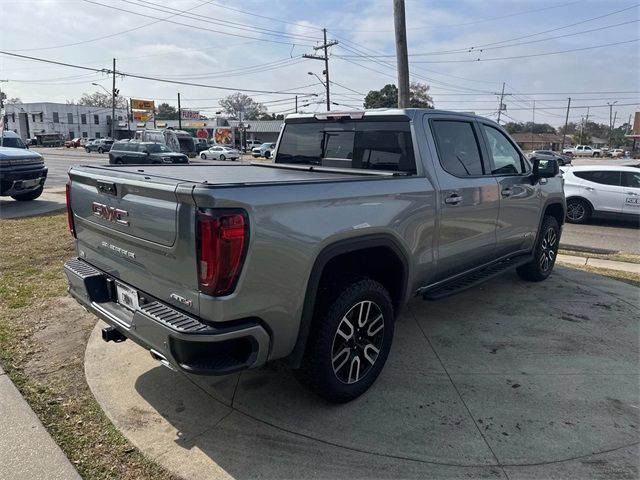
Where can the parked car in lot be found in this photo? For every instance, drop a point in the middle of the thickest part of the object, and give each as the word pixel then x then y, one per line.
pixel 251 144
pixel 75 143
pixel 85 141
pixel 201 144
pixel 602 191
pixel 219 268
pixel 127 152
pixel 551 155
pixel 616 153
pixel 220 152
pixel 22 173
pixel 12 139
pixel 263 150
pixel 100 145
pixel 582 151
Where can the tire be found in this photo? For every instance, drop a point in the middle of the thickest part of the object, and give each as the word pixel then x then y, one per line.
pixel 222 158
pixel 27 197
pixel 337 340
pixel 560 162
pixel 578 211
pixel 544 254
pixel 596 155
pixel 267 154
pixel 100 150
pixel 87 150
pixel 203 156
pixel 119 162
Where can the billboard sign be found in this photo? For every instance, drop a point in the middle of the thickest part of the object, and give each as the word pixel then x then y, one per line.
pixel 141 116
pixel 189 114
pixel 142 104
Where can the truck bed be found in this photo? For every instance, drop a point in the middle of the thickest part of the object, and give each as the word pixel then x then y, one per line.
pixel 224 174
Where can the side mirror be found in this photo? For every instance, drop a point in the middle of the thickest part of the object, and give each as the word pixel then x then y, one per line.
pixel 146 152
pixel 545 168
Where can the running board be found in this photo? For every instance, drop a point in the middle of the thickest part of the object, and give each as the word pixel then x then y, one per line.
pixel 472 278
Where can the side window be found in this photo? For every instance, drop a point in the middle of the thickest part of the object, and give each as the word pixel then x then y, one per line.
pixel 506 159
pixel 603 177
pixel 457 148
pixel 631 179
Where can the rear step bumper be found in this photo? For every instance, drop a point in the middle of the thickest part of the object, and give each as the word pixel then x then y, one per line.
pixel 176 339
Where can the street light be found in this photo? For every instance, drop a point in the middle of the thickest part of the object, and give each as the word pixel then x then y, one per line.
pixel 319 79
pixel 113 95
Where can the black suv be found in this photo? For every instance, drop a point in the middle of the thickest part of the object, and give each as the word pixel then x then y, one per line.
pixel 144 152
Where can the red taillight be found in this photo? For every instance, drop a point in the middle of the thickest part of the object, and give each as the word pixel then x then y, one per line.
pixel 70 222
pixel 221 242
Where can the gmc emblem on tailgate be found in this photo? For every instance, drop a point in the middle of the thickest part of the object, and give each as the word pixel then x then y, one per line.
pixel 110 214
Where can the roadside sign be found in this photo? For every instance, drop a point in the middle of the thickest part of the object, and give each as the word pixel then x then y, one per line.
pixel 189 114
pixel 142 104
pixel 202 133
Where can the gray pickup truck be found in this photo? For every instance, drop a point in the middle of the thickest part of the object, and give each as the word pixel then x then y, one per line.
pixel 22 172
pixel 219 268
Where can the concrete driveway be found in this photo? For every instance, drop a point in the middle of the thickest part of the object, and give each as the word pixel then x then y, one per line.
pixel 506 380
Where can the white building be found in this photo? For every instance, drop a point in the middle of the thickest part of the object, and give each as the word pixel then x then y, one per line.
pixel 69 120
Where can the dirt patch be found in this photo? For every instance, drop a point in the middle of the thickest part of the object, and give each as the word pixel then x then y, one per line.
pixel 43 335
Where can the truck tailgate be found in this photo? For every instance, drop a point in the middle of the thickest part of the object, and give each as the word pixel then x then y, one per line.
pixel 129 225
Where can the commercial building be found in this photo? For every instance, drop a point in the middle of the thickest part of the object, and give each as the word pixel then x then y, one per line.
pixel 68 120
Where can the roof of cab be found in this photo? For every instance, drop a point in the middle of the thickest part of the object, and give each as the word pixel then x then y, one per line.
pixel 409 112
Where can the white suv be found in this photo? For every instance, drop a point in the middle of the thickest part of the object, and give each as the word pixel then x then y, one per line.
pixel 601 191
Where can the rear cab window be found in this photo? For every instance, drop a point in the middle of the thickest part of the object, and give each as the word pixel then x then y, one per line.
pixel 379 144
pixel 603 177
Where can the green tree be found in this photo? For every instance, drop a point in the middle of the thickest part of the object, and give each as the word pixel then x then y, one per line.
pixel 239 102
pixel 387 97
pixel 581 138
pixel 164 111
pixel 100 99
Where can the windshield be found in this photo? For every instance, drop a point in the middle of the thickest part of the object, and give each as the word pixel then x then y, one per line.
pixel 157 148
pixel 379 145
pixel 13 142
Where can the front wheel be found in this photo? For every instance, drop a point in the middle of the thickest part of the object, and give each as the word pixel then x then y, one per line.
pixel 26 197
pixel 596 155
pixel 222 158
pixel 87 150
pixel 349 341
pixel 578 211
pixel 544 253
pixel 100 150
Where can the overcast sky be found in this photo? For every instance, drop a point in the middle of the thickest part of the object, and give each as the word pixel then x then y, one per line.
pixel 257 45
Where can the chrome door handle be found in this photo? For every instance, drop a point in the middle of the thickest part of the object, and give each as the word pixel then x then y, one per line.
pixel 633 194
pixel 506 192
pixel 454 199
pixel 590 189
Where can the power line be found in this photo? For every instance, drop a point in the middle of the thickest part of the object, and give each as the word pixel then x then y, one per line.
pixel 194 26
pixel 225 23
pixel 481 48
pixel 529 56
pixel 145 77
pixel 425 27
pixel 111 35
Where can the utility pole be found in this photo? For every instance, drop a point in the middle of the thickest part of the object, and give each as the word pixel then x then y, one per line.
pixel 610 120
pixel 402 56
pixel 2 120
pixel 533 124
pixel 296 103
pixel 502 105
pixel 113 103
pixel 325 58
pixel 566 121
pixel 179 114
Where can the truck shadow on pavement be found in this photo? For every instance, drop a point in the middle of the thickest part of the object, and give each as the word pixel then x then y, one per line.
pixel 509 378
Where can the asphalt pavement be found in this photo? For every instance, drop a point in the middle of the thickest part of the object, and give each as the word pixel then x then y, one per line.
pixel 506 380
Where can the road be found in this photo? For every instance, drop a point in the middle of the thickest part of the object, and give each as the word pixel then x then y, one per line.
pixel 611 235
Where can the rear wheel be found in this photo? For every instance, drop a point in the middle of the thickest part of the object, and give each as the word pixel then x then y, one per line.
pixel 349 341
pixel 119 162
pixel 203 156
pixel 544 254
pixel 26 197
pixel 578 211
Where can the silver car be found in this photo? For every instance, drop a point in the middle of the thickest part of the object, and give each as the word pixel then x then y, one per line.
pixel 220 152
pixel 550 155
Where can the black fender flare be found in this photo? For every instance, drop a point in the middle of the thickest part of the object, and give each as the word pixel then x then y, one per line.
pixel 329 252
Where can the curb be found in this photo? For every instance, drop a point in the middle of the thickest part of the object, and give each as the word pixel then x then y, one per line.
pixel 600 263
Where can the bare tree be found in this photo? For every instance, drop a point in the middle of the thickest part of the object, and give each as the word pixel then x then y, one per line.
pixel 239 102
pixel 100 99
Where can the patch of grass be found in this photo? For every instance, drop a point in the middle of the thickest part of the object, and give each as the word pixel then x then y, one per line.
pixel 616 257
pixel 33 252
pixel 626 277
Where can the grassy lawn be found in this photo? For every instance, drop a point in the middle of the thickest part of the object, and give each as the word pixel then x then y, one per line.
pixel 43 335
